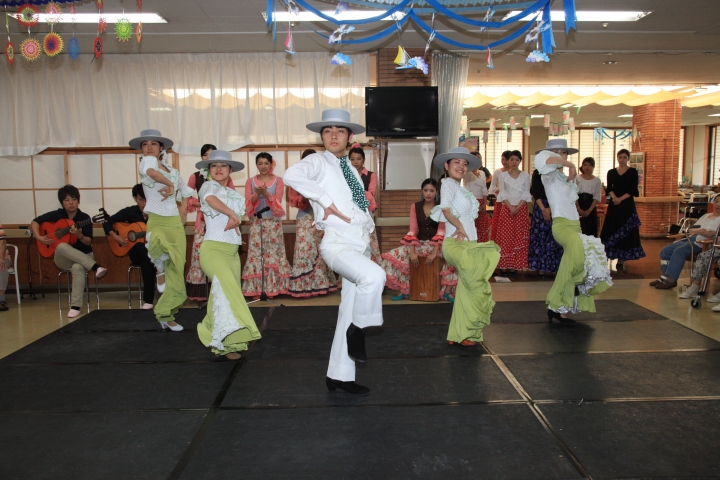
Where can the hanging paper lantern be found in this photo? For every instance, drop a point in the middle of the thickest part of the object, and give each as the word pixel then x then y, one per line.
pixel 97 47
pixel 10 52
pixel 102 24
pixel 30 49
pixel 27 15
pixel 53 12
pixel 52 44
pixel 73 48
pixel 99 4
pixel 139 5
pixel 138 32
pixel 123 30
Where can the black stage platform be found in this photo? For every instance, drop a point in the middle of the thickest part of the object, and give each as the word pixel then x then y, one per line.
pixel 625 393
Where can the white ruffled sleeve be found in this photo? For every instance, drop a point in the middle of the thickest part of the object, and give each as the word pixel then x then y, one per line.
pixel 448 190
pixel 183 191
pixel 541 162
pixel 146 163
pixel 228 196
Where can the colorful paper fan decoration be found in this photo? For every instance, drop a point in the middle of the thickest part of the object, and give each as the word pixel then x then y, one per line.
pixel 97 47
pixel 123 30
pixel 30 49
pixel 73 48
pixel 28 15
pixel 99 4
pixel 52 44
pixel 138 32
pixel 340 59
pixel 53 12
pixel 10 52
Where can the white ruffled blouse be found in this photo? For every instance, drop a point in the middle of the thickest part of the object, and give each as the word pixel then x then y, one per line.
pixel 561 194
pixel 151 188
pixel 215 221
pixel 461 203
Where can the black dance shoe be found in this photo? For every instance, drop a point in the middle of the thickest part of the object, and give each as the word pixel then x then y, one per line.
pixel 555 315
pixel 350 387
pixel 356 343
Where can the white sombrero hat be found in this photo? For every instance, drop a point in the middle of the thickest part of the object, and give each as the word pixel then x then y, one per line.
pixel 457 152
pixel 150 134
pixel 558 144
pixel 335 117
pixel 220 156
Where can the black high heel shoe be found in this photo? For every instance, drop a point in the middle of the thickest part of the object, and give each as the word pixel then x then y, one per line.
pixel 350 387
pixel 555 315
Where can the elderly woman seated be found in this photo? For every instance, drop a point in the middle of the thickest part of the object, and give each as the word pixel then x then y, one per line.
pixel 702 265
pixel 672 257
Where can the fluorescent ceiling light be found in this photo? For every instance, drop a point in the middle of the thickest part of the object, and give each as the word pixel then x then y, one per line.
pixel 627 115
pixel 537 116
pixel 109 17
pixel 590 16
pixel 714 115
pixel 590 123
pixel 347 15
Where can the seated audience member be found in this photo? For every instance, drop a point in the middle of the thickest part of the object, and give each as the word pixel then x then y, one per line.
pixel 672 257
pixel 138 253
pixel 77 258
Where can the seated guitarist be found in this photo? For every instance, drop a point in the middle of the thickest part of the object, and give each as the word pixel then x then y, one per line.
pixel 78 258
pixel 138 253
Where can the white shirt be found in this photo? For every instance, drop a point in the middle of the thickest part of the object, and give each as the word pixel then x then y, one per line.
pixel 514 189
pixel 494 182
pixel 592 187
pixel 461 203
pixel 319 178
pixel 151 188
pixel 478 187
pixel 215 221
pixel 561 194
pixel 706 222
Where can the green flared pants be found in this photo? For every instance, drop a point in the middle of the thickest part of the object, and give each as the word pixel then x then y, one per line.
pixel 228 320
pixel 475 264
pixel 166 248
pixel 571 271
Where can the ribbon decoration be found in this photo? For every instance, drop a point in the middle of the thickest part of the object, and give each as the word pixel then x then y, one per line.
pixel 570 16
pixel 548 40
pixel 600 133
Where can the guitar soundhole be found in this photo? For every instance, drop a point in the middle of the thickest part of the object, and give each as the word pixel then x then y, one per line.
pixel 131 236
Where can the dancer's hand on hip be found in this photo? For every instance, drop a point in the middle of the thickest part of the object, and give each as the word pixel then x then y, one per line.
pixel 332 210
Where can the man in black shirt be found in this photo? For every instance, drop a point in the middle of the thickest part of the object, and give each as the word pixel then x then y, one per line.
pixel 77 258
pixel 138 253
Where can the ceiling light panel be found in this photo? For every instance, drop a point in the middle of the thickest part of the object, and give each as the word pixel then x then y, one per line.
pixel 109 17
pixel 590 16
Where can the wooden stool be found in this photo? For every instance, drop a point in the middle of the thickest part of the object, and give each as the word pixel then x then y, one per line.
pixel 425 280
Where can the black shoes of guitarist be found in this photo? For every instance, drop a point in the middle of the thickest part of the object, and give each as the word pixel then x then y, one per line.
pixel 356 343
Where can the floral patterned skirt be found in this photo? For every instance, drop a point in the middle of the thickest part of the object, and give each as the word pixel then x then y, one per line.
pixel 195 279
pixel 482 222
pixel 277 267
pixel 310 275
pixel 396 264
pixel 375 248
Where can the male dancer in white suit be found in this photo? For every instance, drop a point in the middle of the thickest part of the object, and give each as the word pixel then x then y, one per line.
pixel 337 196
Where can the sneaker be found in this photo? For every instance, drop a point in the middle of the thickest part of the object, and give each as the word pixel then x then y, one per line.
pixel 72 313
pixel 691 291
pixel 715 298
pixel 148 306
pixel 100 272
pixel 716 308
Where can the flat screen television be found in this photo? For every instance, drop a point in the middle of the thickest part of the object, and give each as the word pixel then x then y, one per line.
pixel 401 111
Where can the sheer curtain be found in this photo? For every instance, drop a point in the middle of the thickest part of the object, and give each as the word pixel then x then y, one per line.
pixel 449 74
pixel 225 99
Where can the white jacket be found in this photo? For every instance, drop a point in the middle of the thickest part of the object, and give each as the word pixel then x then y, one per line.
pixel 319 178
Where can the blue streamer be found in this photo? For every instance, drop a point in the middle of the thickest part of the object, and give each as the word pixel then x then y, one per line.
pixel 450 14
pixel 570 16
pixel 269 12
pixel 548 40
pixel 388 31
pixel 470 10
pixel 387 13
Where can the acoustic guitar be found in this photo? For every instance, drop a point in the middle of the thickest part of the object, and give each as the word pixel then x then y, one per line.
pixel 59 232
pixel 134 232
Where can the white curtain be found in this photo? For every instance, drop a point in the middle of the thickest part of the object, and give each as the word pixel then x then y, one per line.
pixel 449 74
pixel 224 99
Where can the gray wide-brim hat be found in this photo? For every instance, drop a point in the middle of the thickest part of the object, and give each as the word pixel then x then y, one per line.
pixel 335 117
pixel 458 152
pixel 220 156
pixel 558 144
pixel 150 134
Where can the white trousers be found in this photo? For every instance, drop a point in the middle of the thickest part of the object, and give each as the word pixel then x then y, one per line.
pixel 348 253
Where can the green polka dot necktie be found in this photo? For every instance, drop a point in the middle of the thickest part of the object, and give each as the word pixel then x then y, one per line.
pixel 358 192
